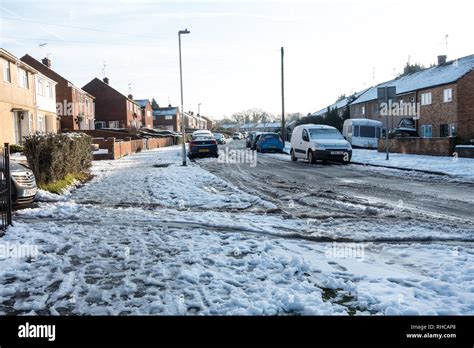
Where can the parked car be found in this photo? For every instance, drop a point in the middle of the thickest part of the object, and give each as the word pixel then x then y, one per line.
pixel 403 132
pixel 237 136
pixel 249 139
pixel 319 143
pixel 202 132
pixel 269 142
pixel 23 181
pixel 203 145
pixel 362 132
pixel 220 138
pixel 256 137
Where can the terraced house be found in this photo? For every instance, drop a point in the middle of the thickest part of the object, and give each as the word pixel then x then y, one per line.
pixel 27 100
pixel 444 95
pixel 112 108
pixel 74 106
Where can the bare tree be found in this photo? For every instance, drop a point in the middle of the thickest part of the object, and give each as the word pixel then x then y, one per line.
pixel 254 115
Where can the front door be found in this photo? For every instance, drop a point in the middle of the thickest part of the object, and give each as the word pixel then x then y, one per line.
pixel 17 127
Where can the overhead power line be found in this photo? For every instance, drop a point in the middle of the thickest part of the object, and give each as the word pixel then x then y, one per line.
pixel 42 39
pixel 78 27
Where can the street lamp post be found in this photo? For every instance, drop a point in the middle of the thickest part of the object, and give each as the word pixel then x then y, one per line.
pixel 183 126
pixel 199 109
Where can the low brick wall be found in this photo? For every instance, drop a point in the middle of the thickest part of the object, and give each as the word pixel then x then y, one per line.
pixel 98 133
pixel 465 151
pixel 419 146
pixel 118 148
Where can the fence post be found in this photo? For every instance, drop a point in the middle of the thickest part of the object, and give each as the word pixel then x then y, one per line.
pixel 6 152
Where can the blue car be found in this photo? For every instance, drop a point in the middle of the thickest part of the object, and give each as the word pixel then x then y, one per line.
pixel 270 142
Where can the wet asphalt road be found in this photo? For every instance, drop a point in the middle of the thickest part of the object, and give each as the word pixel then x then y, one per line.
pixel 304 191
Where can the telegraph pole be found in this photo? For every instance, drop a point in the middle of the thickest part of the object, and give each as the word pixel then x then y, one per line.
pixel 283 127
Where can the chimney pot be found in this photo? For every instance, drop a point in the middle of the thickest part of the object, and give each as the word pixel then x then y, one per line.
pixel 442 59
pixel 130 96
pixel 46 61
pixel 106 80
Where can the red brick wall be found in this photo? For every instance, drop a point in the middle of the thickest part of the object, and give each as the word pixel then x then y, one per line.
pixel 419 146
pixel 438 112
pixel 117 149
pixel 110 105
pixel 465 103
pixel 147 120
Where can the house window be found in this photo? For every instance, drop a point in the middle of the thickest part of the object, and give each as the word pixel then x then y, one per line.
pixel 168 117
pixel 453 130
pixel 426 98
pixel 99 124
pixel 148 113
pixel 41 124
pixel 362 110
pixel 426 131
pixel 114 124
pixel 22 78
pixel 41 87
pixel 444 130
pixel 448 95
pixel 7 76
pixel 30 123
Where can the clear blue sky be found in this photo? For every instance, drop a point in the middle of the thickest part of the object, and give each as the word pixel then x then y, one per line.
pixel 232 56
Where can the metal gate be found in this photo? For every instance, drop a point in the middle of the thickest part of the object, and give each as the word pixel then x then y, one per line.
pixel 5 190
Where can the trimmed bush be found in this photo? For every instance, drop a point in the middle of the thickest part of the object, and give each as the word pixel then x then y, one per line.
pixel 52 157
pixel 16 148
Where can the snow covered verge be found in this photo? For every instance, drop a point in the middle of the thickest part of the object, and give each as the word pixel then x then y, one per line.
pixel 147 236
pixel 459 167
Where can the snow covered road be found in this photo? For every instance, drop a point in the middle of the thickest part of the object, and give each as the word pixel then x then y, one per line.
pixel 147 236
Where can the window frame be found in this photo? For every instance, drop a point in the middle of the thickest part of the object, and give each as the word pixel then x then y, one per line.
pixel 6 69
pixel 424 100
pixel 424 128
pixel 22 78
pixel 449 94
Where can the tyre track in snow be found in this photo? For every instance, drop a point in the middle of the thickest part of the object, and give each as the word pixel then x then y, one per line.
pixel 345 193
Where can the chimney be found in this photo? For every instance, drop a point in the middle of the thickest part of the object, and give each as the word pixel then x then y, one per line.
pixel 169 105
pixel 130 96
pixel 106 80
pixel 46 61
pixel 442 59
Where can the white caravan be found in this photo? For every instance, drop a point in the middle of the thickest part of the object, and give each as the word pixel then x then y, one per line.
pixel 362 132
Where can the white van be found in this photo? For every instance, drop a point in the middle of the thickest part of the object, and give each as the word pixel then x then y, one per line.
pixel 362 132
pixel 319 143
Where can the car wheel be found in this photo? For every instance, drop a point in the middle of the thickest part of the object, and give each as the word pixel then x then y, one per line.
pixel 293 157
pixel 311 158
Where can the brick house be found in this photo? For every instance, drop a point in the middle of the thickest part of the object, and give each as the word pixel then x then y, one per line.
pixel 209 122
pixel 146 112
pixel 444 95
pixel 17 99
pixel 75 107
pixel 112 108
pixel 167 118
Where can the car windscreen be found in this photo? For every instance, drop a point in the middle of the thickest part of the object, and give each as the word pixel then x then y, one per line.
pixel 325 134
pixel 217 136
pixel 270 136
pixel 367 132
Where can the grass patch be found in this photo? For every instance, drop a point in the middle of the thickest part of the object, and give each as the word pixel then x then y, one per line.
pixel 58 187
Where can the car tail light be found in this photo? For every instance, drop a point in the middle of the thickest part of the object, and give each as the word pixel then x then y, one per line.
pixel 213 142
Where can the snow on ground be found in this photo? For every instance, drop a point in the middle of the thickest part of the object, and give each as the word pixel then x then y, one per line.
pixel 147 236
pixel 460 167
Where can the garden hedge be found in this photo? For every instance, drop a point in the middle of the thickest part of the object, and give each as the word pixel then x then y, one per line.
pixel 52 157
